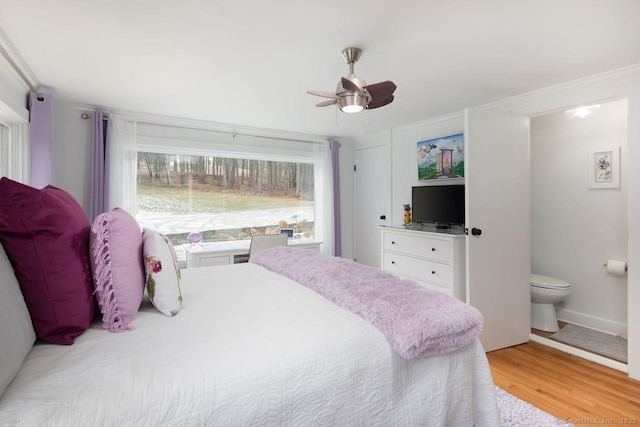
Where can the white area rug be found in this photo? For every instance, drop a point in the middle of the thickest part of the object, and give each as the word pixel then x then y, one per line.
pixel 612 346
pixel 516 412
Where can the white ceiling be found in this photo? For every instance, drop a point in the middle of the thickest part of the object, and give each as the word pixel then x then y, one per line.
pixel 249 62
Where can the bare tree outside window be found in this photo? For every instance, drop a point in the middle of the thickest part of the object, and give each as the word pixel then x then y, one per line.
pixel 223 198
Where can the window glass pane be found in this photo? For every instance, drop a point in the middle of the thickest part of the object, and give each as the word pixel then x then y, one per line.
pixel 14 145
pixel 223 198
pixel 5 153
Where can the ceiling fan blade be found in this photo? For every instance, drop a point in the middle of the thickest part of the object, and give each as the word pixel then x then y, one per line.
pixel 381 91
pixel 326 103
pixel 323 94
pixel 350 85
pixel 379 103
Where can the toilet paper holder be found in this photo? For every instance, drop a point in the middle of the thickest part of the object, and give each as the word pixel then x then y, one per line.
pixel 626 266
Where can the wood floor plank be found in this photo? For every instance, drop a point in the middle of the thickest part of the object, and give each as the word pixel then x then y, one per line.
pixel 567 386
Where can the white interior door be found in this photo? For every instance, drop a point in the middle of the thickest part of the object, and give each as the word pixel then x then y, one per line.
pixel 498 222
pixel 372 186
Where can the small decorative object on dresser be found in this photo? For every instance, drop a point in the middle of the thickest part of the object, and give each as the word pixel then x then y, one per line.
pixel 407 214
pixel 194 238
pixel 287 231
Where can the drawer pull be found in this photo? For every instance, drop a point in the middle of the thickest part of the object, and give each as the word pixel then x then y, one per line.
pixel 393 242
pixel 393 262
pixel 433 249
pixel 433 272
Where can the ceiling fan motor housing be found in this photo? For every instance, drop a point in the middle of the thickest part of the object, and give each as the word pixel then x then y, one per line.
pixel 351 54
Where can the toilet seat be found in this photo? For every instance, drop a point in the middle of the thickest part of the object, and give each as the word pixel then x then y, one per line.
pixel 546 282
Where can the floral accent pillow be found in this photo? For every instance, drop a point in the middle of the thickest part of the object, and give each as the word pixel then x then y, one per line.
pixel 161 272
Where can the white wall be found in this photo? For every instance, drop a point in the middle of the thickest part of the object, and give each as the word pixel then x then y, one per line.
pixel 73 153
pixel 575 229
pixel 404 157
pixel 633 248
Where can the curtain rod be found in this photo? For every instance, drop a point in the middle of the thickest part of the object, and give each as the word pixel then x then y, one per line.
pixel 19 71
pixel 87 116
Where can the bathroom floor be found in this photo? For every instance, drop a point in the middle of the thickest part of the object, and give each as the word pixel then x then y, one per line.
pixel 616 351
pixel 546 334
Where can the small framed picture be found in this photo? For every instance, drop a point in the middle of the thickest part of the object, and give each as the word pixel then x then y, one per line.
pixel 287 231
pixel 604 168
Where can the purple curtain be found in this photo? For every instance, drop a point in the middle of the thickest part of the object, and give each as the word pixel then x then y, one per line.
pixel 99 165
pixel 42 158
pixel 334 146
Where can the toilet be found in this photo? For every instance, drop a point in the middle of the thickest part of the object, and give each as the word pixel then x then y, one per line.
pixel 546 291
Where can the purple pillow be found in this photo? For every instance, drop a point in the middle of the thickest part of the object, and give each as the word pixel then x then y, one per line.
pixel 46 236
pixel 116 262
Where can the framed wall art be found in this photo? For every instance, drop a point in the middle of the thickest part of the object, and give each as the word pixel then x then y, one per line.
pixel 441 158
pixel 604 168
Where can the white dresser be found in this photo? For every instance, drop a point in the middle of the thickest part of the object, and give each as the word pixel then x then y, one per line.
pixel 433 259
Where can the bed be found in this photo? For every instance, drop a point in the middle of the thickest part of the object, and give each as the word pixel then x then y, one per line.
pixel 249 346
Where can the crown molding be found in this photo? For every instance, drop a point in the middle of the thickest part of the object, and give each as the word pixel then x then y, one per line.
pixel 444 120
pixel 20 62
pixel 607 86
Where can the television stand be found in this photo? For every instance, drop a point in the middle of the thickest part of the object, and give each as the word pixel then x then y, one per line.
pixel 432 227
pixel 435 259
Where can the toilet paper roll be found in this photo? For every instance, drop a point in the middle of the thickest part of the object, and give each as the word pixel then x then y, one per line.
pixel 616 267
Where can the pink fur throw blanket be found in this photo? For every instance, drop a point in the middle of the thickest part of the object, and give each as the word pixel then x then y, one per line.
pixel 416 321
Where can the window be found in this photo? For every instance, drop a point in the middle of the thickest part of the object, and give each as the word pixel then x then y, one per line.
pixel 222 184
pixel 14 143
pixel 222 198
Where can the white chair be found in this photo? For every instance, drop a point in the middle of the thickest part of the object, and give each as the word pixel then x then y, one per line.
pixel 260 242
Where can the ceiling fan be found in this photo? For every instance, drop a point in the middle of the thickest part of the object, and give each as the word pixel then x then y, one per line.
pixel 353 94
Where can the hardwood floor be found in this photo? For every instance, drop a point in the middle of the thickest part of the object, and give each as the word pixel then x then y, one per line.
pixel 567 386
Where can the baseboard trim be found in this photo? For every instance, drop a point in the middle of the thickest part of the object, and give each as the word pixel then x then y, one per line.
pixel 592 322
pixel 601 360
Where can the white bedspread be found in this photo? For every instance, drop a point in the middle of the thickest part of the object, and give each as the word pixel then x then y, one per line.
pixel 249 348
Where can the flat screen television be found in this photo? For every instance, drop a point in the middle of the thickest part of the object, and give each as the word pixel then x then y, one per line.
pixel 442 205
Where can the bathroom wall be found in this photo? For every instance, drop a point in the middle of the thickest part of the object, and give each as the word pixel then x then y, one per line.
pixel 576 229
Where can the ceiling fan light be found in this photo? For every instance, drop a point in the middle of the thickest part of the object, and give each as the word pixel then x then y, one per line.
pixel 352 103
pixel 352 108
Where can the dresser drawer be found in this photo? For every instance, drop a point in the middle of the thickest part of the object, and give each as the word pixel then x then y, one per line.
pixel 207 261
pixel 421 269
pixel 435 249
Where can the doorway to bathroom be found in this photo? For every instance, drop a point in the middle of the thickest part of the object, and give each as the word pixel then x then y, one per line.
pixel 579 223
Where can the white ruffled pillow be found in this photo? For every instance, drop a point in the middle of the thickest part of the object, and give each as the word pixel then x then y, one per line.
pixel 161 272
